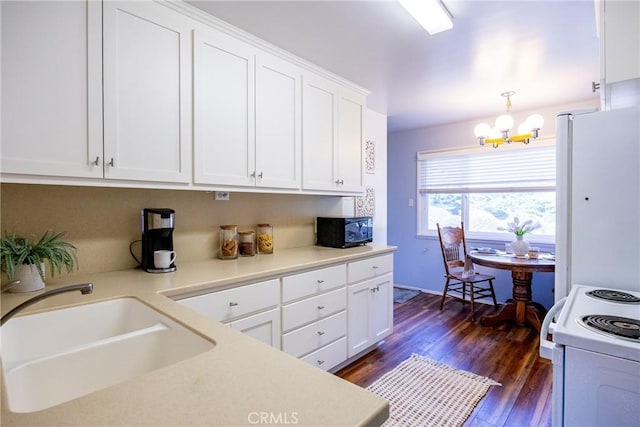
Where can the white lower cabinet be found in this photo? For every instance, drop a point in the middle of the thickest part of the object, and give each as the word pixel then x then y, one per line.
pixel 253 309
pixel 317 316
pixel 264 327
pixel 370 309
pixel 314 317
pixel 310 338
pixel 328 356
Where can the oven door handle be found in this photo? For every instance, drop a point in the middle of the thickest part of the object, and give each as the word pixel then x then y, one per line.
pixel 548 326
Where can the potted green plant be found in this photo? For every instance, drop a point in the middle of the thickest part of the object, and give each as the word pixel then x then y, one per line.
pixel 23 259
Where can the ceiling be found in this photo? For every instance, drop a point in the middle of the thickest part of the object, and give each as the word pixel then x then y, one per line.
pixel 545 51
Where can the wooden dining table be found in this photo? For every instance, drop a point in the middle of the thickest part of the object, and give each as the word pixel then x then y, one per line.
pixel 520 308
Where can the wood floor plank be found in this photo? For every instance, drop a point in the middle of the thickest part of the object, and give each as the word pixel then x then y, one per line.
pixel 506 353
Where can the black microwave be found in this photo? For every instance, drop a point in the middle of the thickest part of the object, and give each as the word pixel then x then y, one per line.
pixel 344 232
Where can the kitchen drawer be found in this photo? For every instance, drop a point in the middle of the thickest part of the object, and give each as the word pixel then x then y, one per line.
pixel 311 337
pixel 313 282
pixel 312 309
pixel 236 302
pixel 370 267
pixel 329 356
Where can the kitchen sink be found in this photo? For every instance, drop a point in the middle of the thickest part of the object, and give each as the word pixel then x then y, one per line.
pixel 56 356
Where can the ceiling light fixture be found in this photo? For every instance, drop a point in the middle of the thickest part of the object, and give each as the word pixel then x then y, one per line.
pixel 499 134
pixel 431 14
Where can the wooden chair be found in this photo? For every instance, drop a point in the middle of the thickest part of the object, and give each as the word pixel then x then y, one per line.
pixel 454 252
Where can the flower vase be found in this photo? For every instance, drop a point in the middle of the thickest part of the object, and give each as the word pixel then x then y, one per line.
pixel 520 247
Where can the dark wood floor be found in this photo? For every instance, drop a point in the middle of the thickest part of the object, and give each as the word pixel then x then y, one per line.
pixel 507 354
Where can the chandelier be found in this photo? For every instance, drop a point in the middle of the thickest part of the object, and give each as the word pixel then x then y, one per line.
pixel 499 134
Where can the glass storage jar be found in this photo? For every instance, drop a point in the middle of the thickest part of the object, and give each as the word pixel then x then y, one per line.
pixel 246 243
pixel 265 239
pixel 228 242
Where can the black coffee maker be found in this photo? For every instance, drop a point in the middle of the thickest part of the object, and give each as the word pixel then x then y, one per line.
pixel 157 234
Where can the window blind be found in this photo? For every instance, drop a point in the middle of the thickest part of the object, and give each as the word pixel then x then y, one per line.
pixel 487 170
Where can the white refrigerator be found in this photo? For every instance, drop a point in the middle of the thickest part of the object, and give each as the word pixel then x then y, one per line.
pixel 598 200
pixel 595 322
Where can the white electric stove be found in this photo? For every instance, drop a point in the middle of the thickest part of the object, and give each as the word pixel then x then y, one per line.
pixel 596 357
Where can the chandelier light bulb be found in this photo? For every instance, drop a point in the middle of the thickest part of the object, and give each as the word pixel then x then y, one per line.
pixel 524 127
pixel 504 122
pixel 482 130
pixel 535 121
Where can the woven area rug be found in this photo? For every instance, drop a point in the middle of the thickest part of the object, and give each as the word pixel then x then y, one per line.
pixel 423 392
pixel 401 295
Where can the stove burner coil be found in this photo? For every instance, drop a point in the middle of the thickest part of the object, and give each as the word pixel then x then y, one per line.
pixel 615 296
pixel 623 327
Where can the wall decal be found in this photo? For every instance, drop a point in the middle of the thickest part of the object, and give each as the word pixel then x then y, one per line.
pixel 366 205
pixel 370 156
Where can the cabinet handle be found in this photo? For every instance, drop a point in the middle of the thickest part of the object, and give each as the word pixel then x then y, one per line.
pixel 320 333
pixel 372 289
pixel 320 307
pixel 111 163
pixel 260 175
pixel 233 304
pixel 341 181
pixel 96 161
pixel 320 362
pixel 320 281
pixel 253 174
pixel 337 181
pixel 375 267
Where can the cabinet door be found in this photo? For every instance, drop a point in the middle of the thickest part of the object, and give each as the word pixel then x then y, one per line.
pixel 264 327
pixel 319 133
pixel 52 88
pixel 359 315
pixel 224 109
pixel 278 120
pixel 370 311
pixel 382 308
pixel 350 116
pixel 147 92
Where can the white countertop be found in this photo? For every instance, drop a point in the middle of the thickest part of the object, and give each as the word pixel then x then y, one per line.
pixel 232 384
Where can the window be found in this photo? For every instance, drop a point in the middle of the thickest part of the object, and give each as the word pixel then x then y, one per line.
pixel 486 188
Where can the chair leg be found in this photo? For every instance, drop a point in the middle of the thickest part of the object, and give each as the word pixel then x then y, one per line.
pixel 472 298
pixel 444 292
pixel 464 293
pixel 493 296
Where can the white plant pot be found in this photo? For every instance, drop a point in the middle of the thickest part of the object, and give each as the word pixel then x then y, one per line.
pixel 29 277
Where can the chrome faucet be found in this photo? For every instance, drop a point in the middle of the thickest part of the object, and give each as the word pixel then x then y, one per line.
pixel 7 286
pixel 84 288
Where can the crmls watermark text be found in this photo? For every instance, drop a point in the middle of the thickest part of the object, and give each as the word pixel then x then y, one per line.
pixel 273 418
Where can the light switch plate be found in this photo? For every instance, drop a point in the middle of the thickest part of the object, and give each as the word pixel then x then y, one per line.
pixel 221 195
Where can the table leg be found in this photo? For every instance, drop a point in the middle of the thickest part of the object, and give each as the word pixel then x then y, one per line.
pixel 521 308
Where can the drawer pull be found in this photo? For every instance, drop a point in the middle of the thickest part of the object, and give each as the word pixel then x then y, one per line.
pixel 320 307
pixel 320 281
pixel 233 304
pixel 320 362
pixel 320 333
pixel 374 267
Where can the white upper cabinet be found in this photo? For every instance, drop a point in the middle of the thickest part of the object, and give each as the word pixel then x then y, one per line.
pixel 620 40
pixel 350 119
pixel 147 92
pixel 247 115
pixel 332 136
pixel 278 123
pixel 52 88
pixel 224 109
pixel 156 94
pixel 319 133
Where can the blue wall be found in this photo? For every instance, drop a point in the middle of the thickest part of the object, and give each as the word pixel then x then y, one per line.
pixel 418 260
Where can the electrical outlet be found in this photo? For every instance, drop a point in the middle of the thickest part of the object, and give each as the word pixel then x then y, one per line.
pixel 221 195
pixel 410 203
